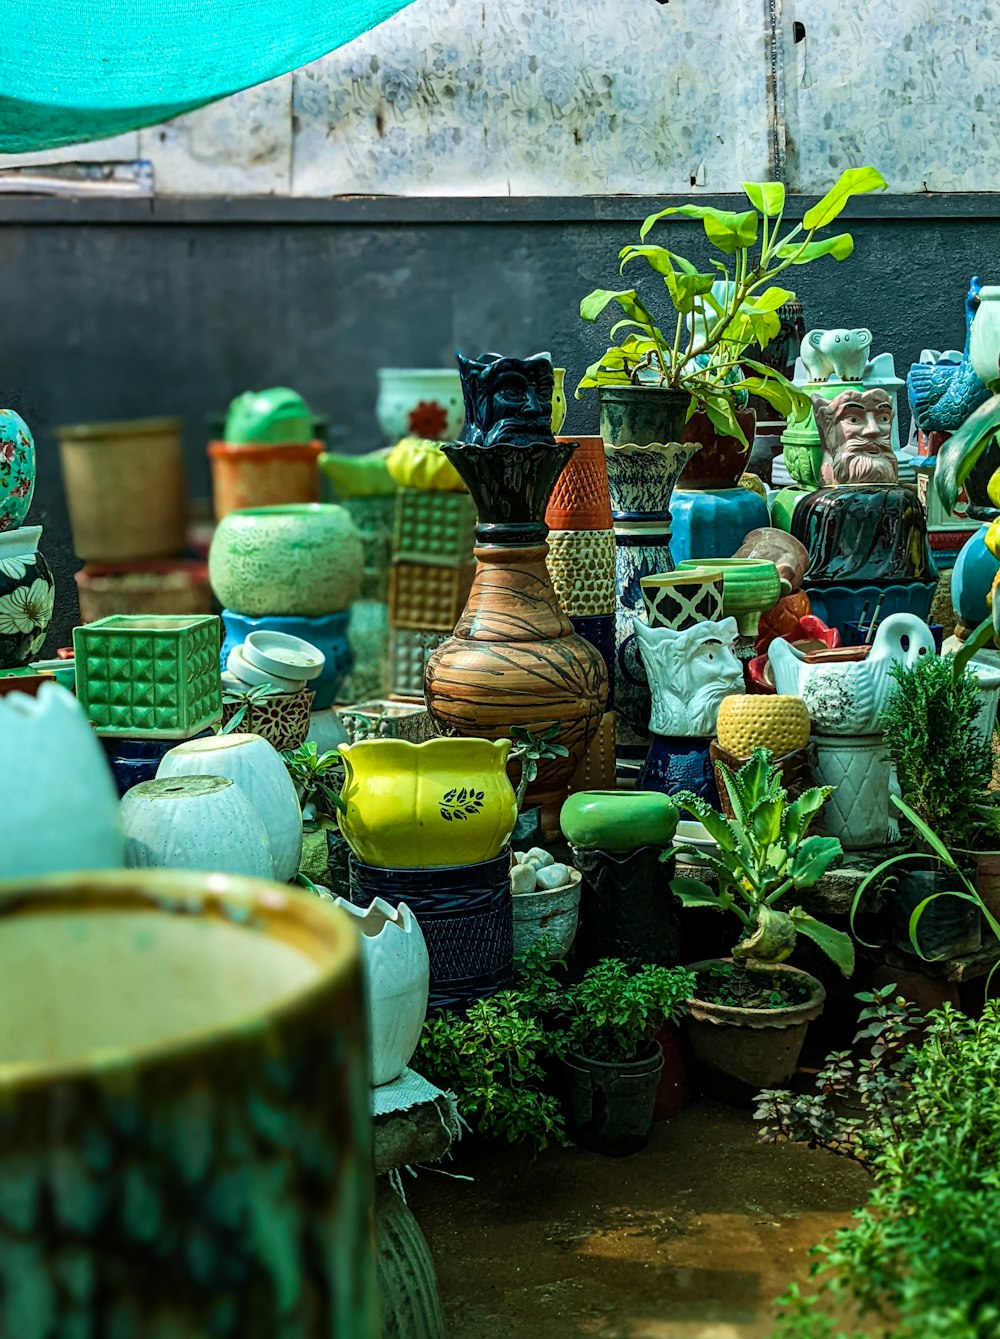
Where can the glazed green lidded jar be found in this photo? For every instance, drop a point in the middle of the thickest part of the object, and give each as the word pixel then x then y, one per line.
pixel 298 560
pixel 618 820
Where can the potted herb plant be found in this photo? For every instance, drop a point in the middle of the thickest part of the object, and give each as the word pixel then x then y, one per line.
pixel 944 766
pixel 609 1021
pixel 658 374
pixel 749 1013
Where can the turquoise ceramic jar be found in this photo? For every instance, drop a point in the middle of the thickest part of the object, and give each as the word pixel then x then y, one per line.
pixel 17 469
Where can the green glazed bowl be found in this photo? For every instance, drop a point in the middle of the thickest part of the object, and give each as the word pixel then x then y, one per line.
pixel 750 586
pixel 618 820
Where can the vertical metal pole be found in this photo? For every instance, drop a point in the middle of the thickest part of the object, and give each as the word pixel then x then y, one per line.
pixel 775 84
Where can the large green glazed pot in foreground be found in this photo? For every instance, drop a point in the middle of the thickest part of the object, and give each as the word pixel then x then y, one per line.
pixel 618 820
pixel 298 560
pixel 184 1123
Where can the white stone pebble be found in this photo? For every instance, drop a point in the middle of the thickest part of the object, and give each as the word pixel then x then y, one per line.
pixel 539 858
pixel 522 878
pixel 553 876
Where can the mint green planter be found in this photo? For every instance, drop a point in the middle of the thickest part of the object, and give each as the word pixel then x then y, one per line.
pixel 750 586
pixel 618 820
pixel 434 528
pixel 149 676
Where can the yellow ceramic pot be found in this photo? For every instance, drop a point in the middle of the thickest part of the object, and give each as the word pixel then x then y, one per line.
pixel 415 463
pixel 750 721
pixel 443 802
pixel 558 399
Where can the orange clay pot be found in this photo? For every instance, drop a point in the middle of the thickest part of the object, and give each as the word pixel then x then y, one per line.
pixel 256 474
pixel 580 499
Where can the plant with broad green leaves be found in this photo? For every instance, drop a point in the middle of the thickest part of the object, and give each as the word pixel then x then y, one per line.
pixel 921 1259
pixel 718 315
pixel 612 1015
pixel 764 854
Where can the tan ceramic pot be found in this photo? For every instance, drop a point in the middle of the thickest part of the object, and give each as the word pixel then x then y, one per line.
pixel 515 660
pixel 184 1094
pixel 753 721
pixel 125 488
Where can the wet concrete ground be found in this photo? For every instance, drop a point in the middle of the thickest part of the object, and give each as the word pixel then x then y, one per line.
pixel 691 1239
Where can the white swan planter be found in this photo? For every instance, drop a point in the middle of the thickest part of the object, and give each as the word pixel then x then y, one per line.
pixel 847 697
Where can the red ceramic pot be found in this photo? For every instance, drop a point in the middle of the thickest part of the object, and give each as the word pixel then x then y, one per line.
pixel 720 461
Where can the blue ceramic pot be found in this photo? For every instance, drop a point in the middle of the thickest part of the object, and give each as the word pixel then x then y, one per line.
pixel 677 763
pixel 971 580
pixel 642 549
pixel 467 915
pixel 714 522
pixel 327 633
pixel 838 606
pixel 135 760
pixel 599 630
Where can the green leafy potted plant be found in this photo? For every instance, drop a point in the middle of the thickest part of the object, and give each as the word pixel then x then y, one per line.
pixel 609 1021
pixel 944 767
pixel 748 1018
pixel 530 748
pixel 652 380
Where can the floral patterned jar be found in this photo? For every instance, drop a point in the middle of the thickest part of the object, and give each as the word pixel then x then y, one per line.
pixel 17 469
pixel 27 593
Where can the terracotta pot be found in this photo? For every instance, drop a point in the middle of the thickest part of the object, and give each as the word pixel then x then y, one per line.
pixel 580 499
pixel 988 880
pixel 177 587
pixel 125 488
pixel 798 771
pixel 674 1091
pixel 515 660
pixel 719 461
pixel 261 475
pixel 737 1052
pixel 206 1034
pixel 24 683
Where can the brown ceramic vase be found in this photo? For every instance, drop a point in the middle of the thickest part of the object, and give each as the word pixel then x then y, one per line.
pixel 515 660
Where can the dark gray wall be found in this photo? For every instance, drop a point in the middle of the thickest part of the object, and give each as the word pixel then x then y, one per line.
pixel 113 312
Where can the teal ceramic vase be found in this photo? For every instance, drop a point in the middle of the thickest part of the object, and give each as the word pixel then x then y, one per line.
pixel 17 469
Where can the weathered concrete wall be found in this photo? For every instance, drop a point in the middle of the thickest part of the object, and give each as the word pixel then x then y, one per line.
pixel 114 320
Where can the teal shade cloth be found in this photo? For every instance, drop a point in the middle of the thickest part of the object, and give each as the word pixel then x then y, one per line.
pixel 79 70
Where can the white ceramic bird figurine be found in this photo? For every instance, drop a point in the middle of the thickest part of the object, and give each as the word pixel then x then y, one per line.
pixel 847 697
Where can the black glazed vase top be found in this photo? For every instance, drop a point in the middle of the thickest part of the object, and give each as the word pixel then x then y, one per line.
pixel 864 533
pixel 508 458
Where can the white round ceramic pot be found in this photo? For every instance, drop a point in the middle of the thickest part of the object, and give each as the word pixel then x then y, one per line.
pixel 281 653
pixel 195 822
pixel 420 402
pixel 240 668
pixel 984 337
pixel 858 768
pixel 397 970
pixel 57 794
pixel 258 770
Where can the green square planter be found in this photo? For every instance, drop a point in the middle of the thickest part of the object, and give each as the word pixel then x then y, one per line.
pixel 149 676
pixel 434 528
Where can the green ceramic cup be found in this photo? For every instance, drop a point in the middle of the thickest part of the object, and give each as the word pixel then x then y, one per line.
pixel 750 587
pixel 618 820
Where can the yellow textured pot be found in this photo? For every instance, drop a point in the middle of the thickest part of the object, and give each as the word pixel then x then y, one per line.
pixel 750 721
pixel 443 802
pixel 414 463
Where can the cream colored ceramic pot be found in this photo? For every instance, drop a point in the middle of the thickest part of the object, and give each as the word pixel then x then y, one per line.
pixel 194 822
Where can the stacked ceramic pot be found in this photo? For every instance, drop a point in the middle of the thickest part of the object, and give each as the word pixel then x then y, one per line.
pixel 292 569
pixel 514 660
pixel 27 590
pixel 268 453
pixel 433 560
pixel 147 683
pixel 687 650
pixel 127 500
pixel 428 825
pixel 641 429
pixel 711 512
pixel 845 691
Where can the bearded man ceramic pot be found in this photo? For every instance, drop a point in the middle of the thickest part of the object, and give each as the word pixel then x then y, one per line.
pixel 296 560
pixel 193 1092
pixel 855 431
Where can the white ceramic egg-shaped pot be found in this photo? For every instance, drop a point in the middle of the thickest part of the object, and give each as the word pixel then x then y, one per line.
pixel 256 767
pixel 194 822
pixel 397 970
pixel 57 795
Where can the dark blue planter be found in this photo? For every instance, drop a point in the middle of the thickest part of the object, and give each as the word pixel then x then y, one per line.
pixel 467 917
pixel 135 760
pixel 626 908
pixel 327 633
pixel 599 630
pixel 678 762
pixel 838 606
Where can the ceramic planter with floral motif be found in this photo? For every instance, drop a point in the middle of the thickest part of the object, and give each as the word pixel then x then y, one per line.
pixel 443 802
pixel 27 592
pixel 17 469
pixel 419 402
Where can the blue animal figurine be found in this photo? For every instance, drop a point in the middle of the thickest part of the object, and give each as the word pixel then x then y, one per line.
pixel 943 394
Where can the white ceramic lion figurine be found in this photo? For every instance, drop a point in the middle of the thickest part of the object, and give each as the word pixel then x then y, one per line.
pixel 690 672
